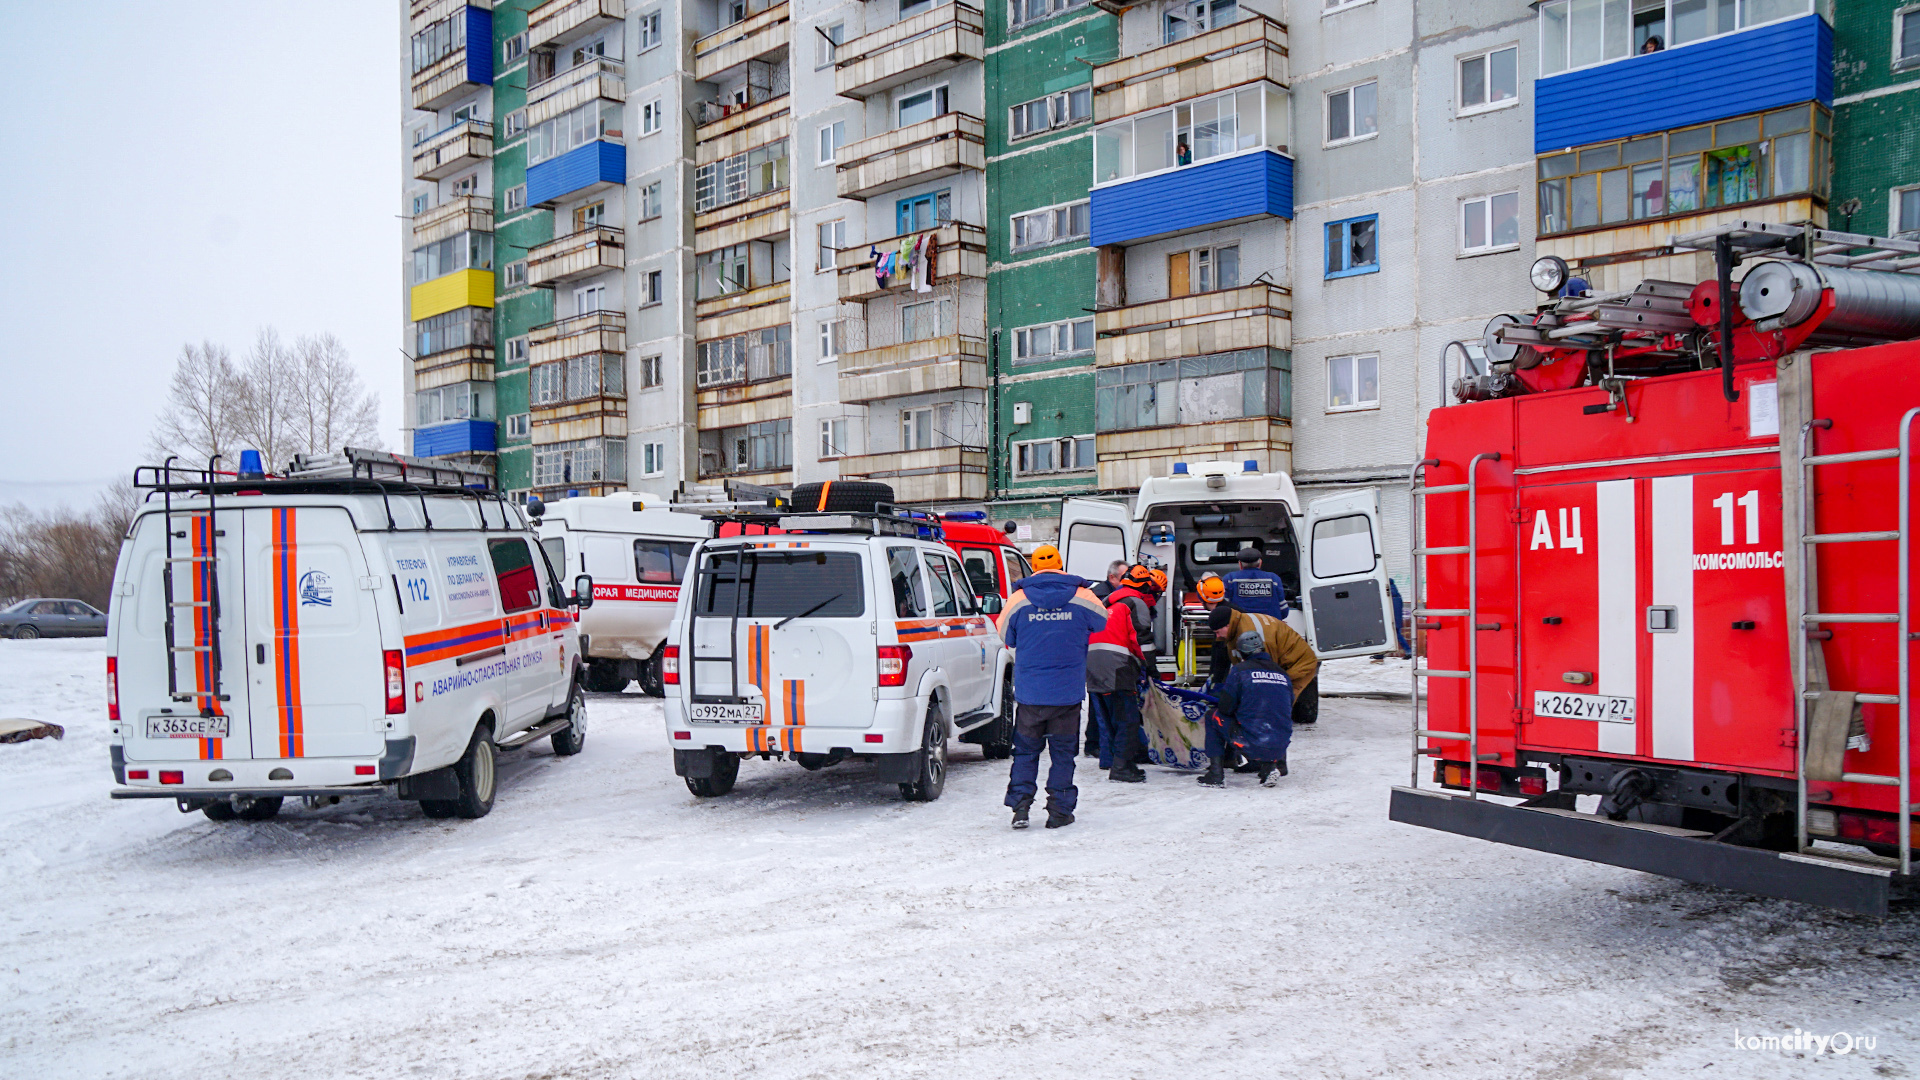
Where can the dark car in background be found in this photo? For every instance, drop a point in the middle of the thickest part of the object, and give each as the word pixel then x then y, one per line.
pixel 30 619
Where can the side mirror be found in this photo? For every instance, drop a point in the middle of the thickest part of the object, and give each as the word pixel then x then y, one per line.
pixel 582 592
pixel 991 604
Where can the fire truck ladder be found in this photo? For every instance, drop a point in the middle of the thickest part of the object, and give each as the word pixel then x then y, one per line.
pixel 209 606
pixel 1417 530
pixel 1810 618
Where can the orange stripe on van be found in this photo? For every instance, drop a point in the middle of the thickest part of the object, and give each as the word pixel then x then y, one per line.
pixel 204 628
pixel 793 694
pixel 286 631
pixel 759 644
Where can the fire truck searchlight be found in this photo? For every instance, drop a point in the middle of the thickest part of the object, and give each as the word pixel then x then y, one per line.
pixel 1706 490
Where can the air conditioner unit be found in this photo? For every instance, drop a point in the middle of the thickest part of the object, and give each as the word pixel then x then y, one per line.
pixel 1023 412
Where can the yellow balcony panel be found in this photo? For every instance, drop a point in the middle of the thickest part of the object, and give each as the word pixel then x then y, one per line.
pixel 1619 257
pixel 594 250
pixel 942 474
pixel 1250 317
pixel 771 225
pixel 1127 458
pixel 462 288
pixel 761 35
pixel 917 367
pixel 445 153
pixel 744 129
pixel 558 21
pixel 943 146
pixel 1250 50
pixel 912 48
pixel 468 213
pixel 580 335
pixel 601 78
pixel 960 251
pixel 740 312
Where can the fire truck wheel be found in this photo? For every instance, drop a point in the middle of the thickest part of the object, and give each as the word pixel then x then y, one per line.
pixel 262 809
pixel 475 771
pixel 726 769
pixel 572 739
pixel 1306 707
pixel 933 761
pixel 603 677
pixel 650 680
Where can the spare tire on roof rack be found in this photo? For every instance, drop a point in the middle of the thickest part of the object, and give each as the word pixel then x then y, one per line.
pixel 857 496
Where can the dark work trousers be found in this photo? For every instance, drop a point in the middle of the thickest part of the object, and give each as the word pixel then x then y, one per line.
pixel 1219 733
pixel 1120 726
pixel 1058 728
pixel 1096 725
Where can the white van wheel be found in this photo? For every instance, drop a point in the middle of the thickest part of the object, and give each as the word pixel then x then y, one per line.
pixel 475 773
pixel 572 739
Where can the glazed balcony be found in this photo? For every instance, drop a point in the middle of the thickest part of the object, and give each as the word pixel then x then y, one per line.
pixel 1230 320
pixel 597 249
pixel 960 251
pixel 1250 50
pixel 444 153
pixel 942 474
pixel 601 78
pixel 424 13
pixel 760 36
pixel 468 213
pixel 943 146
pixel 930 365
pixel 557 22
pixel 463 70
pixel 910 49
pixel 580 335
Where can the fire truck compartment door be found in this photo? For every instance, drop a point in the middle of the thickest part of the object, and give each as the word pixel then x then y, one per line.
pixel 1349 606
pixel 1093 533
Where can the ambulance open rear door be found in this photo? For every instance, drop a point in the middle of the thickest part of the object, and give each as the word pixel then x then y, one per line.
pixel 1093 534
pixel 1344 576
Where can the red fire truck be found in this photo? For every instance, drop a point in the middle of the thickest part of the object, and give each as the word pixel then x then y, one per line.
pixel 1662 557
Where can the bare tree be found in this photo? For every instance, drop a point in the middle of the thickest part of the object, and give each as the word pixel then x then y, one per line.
pixel 270 394
pixel 202 413
pixel 335 409
pixel 65 553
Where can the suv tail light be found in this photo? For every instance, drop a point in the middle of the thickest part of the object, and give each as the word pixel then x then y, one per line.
pixel 113 688
pixel 396 682
pixel 670 665
pixel 893 664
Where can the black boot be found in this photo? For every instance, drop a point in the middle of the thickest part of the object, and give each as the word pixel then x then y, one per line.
pixel 1266 771
pixel 1216 774
pixel 1281 766
pixel 1126 772
pixel 1020 813
pixel 1058 819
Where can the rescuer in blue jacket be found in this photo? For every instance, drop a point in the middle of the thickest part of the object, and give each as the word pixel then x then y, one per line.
pixel 1253 711
pixel 1253 589
pixel 1047 623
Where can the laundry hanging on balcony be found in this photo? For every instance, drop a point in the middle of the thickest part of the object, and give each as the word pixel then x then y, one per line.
pixel 910 264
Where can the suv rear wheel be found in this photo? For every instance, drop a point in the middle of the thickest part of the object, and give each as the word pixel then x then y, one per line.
pixel 932 778
pixel 998 743
pixel 726 769
pixel 650 681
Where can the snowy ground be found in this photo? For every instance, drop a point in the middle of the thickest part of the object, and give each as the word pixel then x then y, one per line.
pixel 604 923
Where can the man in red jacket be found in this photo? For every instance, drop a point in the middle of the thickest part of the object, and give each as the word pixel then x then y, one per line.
pixel 1115 659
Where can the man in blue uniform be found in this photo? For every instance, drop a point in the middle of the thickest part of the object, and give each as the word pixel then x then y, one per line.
pixel 1047 622
pixel 1253 589
pixel 1254 712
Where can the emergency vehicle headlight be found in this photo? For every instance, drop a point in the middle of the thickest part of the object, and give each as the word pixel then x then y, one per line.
pixel 1548 274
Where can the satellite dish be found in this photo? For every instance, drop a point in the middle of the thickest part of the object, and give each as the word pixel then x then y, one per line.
pixel 1498 351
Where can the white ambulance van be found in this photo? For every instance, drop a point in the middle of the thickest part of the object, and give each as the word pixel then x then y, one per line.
pixel 368 622
pixel 636 550
pixel 848 636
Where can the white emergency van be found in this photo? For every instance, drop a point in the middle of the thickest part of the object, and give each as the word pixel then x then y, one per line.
pixel 368 622
pixel 636 550
pixel 847 636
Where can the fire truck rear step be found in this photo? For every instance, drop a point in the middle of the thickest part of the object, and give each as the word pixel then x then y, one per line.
pixel 1850 884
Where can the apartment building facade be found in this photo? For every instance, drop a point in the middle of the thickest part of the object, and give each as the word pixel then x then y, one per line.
pixel 1876 118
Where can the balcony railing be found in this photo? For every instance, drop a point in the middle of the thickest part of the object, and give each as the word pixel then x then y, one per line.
pixel 928 150
pixel 563 20
pixel 599 78
pixel 579 335
pixel 424 13
pixel 760 34
pixel 926 366
pixel 960 251
pixel 941 474
pixel 909 49
pixel 1249 317
pixel 1128 458
pixel 717 118
pixel 448 151
pixel 468 213
pixel 1250 50
pixel 596 249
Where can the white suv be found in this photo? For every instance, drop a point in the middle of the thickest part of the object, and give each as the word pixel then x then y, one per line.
pixel 845 636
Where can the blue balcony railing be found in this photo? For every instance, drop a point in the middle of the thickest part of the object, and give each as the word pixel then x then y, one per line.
pixel 459 437
pixel 598 162
pixel 1195 197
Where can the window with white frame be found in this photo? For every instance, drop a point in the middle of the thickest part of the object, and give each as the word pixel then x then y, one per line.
pixel 1021 12
pixel 1073 453
pixel 1579 33
pixel 516 350
pixel 1052 341
pixel 516 123
pixel 1249 118
pixel 1353 113
pixel 518 425
pixel 651 291
pixel 1905 214
pixel 652 115
pixel 830 332
pixel 1490 80
pixel 514 198
pixel 582 461
pixel 650 201
pixel 1051 225
pixel 833 438
pixel 516 274
pixel 827 44
pixel 931 319
pixel 1183 19
pixel 1203 270
pixel 649 372
pixel 1353 382
pixel 924 429
pixel 832 237
pixel 1053 111
pixel 1337 5
pixel 1906 37
pixel 832 137
pixel 649 30
pixel 924 105
pixel 653 458
pixel 464 185
pixel 1490 223
pixel 513 48
pixel 577 378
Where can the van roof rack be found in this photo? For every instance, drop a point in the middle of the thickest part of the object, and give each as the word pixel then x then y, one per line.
pixel 352 462
pixel 351 471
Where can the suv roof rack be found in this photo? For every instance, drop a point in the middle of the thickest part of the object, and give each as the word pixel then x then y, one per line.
pixel 900 522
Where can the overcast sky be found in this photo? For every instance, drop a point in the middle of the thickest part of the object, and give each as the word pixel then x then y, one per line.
pixel 179 171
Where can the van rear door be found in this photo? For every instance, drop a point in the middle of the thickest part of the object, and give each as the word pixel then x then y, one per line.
pixel 1349 607
pixel 1094 533
pixel 209 658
